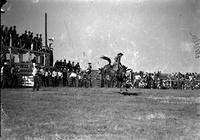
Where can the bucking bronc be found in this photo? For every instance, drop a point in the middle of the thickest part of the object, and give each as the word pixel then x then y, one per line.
pixel 116 72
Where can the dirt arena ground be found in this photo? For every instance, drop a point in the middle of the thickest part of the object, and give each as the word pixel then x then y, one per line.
pixel 100 114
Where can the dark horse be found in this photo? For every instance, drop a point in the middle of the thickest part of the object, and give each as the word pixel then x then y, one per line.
pixel 118 76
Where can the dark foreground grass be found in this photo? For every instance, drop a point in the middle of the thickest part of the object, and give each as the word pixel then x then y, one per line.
pixel 95 114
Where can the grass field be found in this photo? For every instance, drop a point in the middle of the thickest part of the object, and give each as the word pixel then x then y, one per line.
pixel 100 114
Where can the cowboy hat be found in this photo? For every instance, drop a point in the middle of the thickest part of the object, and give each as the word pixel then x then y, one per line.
pixel 120 54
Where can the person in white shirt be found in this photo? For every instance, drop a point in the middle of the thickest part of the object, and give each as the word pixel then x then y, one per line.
pixel 36 78
pixel 60 75
pixel 42 72
pixel 73 76
pixel 46 77
pixel 54 77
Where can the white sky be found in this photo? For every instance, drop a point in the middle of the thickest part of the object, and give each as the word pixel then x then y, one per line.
pixel 152 34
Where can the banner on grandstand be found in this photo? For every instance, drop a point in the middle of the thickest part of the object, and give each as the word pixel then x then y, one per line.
pixel 196 45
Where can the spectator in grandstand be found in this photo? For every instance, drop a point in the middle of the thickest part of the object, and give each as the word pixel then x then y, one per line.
pixel 2 34
pixel 14 31
pixel 13 34
pixel 28 41
pixel 10 36
pixel 40 42
pixel 16 41
pixel 35 42
pixel 23 38
pixel 6 36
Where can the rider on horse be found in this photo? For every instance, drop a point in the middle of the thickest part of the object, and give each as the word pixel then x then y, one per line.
pixel 117 62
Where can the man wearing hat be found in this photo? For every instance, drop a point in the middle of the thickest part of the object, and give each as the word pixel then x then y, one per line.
pixel 117 62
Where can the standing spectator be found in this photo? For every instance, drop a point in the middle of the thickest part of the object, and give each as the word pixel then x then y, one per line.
pixel 42 73
pixel 64 63
pixel 6 75
pixel 77 67
pixel 65 81
pixel 73 76
pixel 50 77
pixel 14 75
pixel 73 66
pixel 36 78
pixel 46 77
pixel 69 66
pixel 2 76
pixel 60 76
pixel 54 77
pixel 40 42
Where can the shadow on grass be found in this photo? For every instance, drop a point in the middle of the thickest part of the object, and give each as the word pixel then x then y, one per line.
pixel 126 93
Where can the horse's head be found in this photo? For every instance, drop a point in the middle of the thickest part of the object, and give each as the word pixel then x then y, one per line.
pixel 122 69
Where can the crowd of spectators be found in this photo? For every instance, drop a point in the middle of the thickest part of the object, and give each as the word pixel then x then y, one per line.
pixel 165 81
pixel 70 74
pixel 65 74
pixel 27 40
pixel 61 74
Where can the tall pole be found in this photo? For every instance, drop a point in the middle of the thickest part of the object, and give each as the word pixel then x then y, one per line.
pixel 45 38
pixel 46 30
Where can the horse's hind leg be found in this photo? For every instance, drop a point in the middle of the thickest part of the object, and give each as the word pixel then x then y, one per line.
pixel 125 86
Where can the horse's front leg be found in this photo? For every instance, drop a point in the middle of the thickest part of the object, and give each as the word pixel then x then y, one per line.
pixel 124 85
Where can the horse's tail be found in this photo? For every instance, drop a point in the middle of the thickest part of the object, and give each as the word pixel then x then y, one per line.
pixel 107 59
